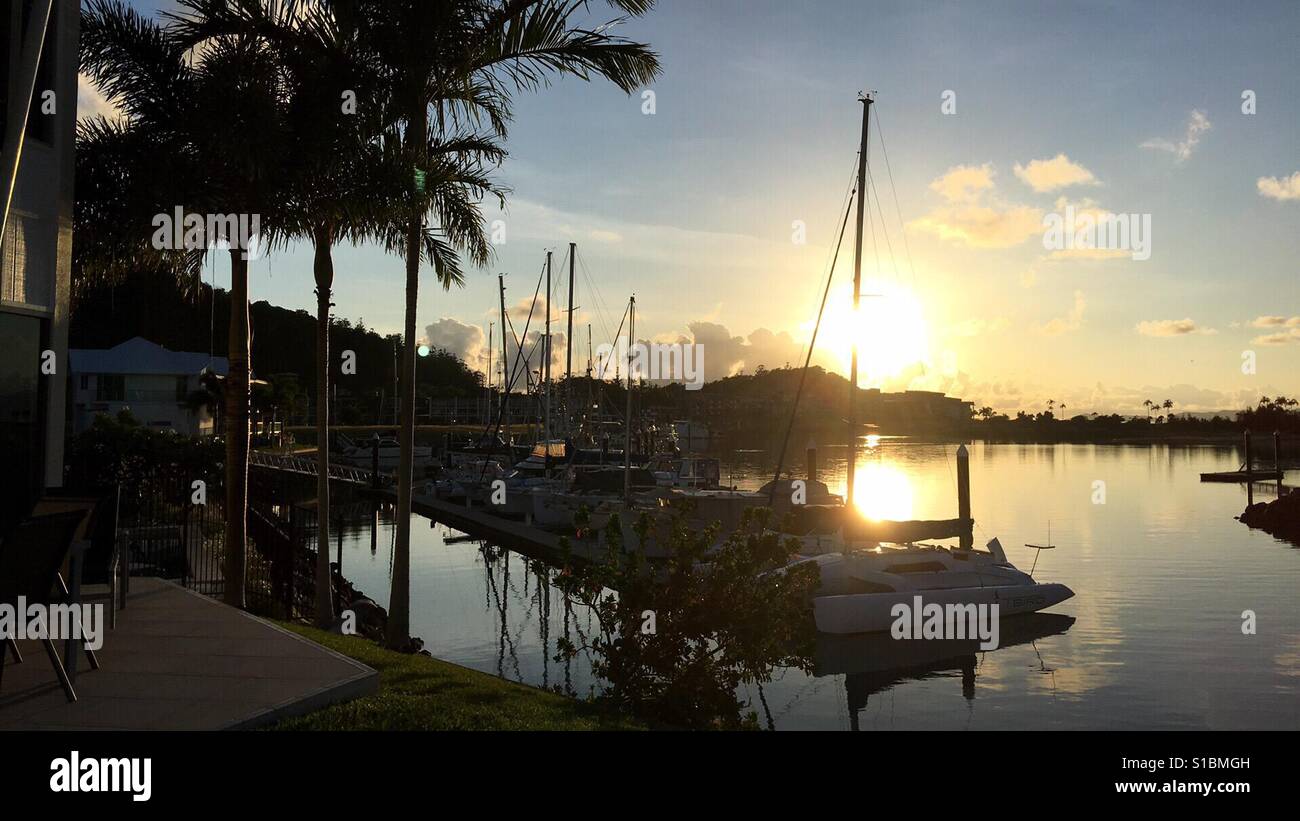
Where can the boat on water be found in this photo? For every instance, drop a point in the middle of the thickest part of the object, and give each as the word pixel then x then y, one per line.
pixel 361 454
pixel 861 588
pixel 686 471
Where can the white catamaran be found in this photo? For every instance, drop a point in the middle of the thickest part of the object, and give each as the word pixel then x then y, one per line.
pixel 862 580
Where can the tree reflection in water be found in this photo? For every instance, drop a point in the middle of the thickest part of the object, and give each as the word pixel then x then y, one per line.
pixel 676 638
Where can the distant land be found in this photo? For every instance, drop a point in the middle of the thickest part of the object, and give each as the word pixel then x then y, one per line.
pixel 759 403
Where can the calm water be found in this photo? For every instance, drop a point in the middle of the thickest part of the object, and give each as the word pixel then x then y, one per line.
pixel 1161 573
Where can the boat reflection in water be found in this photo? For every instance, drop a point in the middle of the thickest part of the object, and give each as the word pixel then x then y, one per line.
pixel 874 663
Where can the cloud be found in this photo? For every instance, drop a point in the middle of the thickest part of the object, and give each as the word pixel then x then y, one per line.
pixel 1009 397
pixel 1197 124
pixel 972 216
pixel 983 226
pixel 1070 322
pixel 1275 322
pixel 1099 216
pixel 726 354
pixel 1285 188
pixel 91 103
pixel 1279 338
pixel 976 326
pixel 1171 327
pixel 964 183
pixel 1058 172
pixel 470 344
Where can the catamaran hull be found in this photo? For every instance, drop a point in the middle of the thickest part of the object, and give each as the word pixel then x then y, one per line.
pixel 873 612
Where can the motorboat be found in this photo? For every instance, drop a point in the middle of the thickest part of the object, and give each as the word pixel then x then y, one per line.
pixel 686 471
pixel 861 586
pixel 361 454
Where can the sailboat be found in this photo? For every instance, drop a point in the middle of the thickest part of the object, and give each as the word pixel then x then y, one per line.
pixel 862 582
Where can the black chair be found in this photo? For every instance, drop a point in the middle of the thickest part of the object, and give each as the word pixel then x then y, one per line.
pixel 30 559
pixel 95 574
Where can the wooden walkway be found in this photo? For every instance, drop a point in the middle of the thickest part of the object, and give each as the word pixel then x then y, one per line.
pixel 179 660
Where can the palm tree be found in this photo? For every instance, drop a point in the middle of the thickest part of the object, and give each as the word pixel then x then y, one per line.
pixel 1168 404
pixel 326 174
pixel 1149 405
pixel 218 108
pixel 450 64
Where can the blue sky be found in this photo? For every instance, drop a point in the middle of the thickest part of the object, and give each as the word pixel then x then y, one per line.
pixel 1127 107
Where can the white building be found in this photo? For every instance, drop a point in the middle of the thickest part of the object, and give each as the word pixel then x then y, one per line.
pixel 145 378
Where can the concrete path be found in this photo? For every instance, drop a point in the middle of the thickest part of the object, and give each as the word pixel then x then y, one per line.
pixel 179 660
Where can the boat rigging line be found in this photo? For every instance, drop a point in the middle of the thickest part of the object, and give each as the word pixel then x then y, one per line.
pixel 803 377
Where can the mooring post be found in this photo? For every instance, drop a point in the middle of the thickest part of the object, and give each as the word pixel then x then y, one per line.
pixel 1248 459
pixel 963 498
pixel 812 461
pixel 374 461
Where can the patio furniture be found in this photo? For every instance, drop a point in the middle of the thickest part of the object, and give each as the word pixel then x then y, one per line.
pixel 96 574
pixel 30 558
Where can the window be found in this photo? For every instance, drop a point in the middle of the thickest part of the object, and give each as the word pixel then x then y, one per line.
pixel 85 381
pixel 110 387
pixel 25 260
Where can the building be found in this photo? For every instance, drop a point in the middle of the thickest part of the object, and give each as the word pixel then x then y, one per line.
pixel 38 110
pixel 915 410
pixel 153 383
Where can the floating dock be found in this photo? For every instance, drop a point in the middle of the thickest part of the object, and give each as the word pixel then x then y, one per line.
pixel 1256 475
pixel 1248 472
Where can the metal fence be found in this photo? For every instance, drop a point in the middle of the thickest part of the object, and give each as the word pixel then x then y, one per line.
pixel 172 528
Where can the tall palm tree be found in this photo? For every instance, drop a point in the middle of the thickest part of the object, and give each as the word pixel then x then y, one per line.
pixel 328 170
pixel 219 108
pixel 451 64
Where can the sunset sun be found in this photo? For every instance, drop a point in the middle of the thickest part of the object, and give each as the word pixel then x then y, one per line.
pixel 890 331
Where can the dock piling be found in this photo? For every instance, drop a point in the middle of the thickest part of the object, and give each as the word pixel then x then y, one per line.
pixel 963 497
pixel 812 461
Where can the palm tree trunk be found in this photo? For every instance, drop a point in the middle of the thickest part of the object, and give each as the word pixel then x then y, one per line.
pixel 236 423
pixel 399 600
pixel 323 268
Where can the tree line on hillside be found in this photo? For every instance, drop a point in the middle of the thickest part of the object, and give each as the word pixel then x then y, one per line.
pixel 106 315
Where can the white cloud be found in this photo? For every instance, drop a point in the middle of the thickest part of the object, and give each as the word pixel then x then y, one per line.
pixel 91 103
pixel 1284 188
pixel 1197 124
pixel 1275 322
pixel 1171 327
pixel 1058 172
pixel 1072 321
pixel 964 183
pixel 1286 329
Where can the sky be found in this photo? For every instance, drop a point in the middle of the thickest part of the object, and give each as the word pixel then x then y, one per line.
pixel 719 205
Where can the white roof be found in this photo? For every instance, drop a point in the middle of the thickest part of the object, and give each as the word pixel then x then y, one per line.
pixel 140 356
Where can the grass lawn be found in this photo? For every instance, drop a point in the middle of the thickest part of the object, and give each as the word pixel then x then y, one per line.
pixel 420 693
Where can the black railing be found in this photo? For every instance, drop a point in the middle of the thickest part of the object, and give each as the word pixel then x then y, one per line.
pixel 171 527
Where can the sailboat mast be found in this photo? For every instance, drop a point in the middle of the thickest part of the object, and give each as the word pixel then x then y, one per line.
pixel 546 370
pixel 568 344
pixel 857 296
pixel 505 360
pixel 627 425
